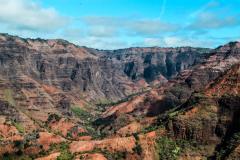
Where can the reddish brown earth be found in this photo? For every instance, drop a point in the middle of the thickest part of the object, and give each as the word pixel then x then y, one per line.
pixel 111 144
pixel 95 156
pixel 52 156
pixel 46 139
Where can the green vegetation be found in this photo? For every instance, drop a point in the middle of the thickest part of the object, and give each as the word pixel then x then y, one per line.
pixel 173 114
pixel 151 128
pixel 79 112
pixel 19 145
pixel 8 96
pixel 138 149
pixel 200 95
pixel 162 120
pixel 83 134
pixel 109 155
pixel 167 149
pixel 61 147
pixel 103 103
pixel 88 122
pixel 15 157
pixel 229 147
pixel 65 155
pixel 69 134
pixel 19 127
pixel 114 156
pixel 235 140
pixel 122 120
pixel 64 149
pixel 181 92
pixel 94 133
pixel 54 117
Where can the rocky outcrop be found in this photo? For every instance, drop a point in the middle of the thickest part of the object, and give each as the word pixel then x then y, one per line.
pixel 61 64
pixel 95 74
pixel 150 63
pixel 193 102
pixel 210 117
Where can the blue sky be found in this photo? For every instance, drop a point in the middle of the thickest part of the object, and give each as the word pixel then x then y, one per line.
pixel 112 24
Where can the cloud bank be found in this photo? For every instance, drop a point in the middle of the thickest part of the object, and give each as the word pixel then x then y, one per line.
pixel 28 15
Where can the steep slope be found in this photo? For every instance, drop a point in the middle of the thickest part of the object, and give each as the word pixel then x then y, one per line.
pixel 150 63
pixel 210 117
pixel 96 74
pixel 177 90
pixel 198 109
pixel 63 65
pixel 40 78
pixel 51 91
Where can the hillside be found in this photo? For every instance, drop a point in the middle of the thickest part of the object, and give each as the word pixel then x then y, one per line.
pixel 62 100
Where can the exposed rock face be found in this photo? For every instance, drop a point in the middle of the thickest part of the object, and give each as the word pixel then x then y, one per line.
pixel 150 63
pixel 211 118
pixel 199 109
pixel 96 74
pixel 64 65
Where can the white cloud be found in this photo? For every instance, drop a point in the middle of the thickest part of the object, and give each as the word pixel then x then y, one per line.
pixel 28 15
pixel 208 20
pixel 102 43
pixel 150 42
pixel 73 33
pixel 178 42
pixel 175 41
pixel 151 27
pixel 141 27
pixel 102 31
pixel 210 16
pixel 209 5
pixel 104 20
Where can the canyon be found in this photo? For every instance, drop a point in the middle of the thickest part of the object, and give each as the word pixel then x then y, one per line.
pixel 62 101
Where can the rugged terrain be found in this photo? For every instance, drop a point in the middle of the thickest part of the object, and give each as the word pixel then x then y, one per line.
pixel 62 101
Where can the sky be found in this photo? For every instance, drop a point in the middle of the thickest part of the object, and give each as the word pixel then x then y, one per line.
pixel 114 24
